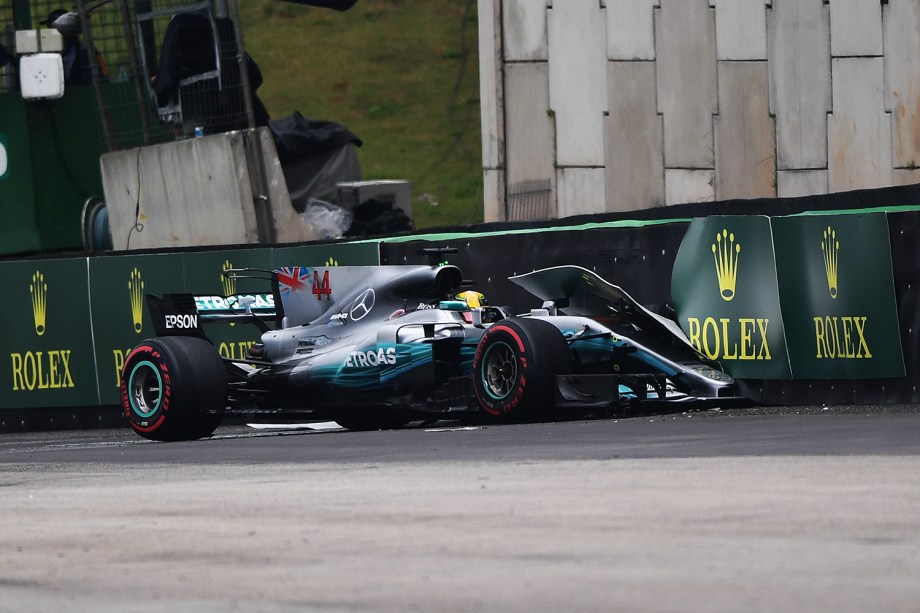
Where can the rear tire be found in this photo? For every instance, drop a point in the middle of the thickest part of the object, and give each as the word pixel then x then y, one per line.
pixel 174 388
pixel 515 368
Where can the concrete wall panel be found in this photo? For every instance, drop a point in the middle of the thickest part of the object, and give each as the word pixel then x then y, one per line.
pixel 902 79
pixel 577 77
pixel 491 104
pixel 905 176
pixel 800 79
pixel 630 29
pixel 745 141
pixel 741 29
pixel 580 191
pixel 686 51
pixel 859 132
pixel 683 186
pixel 635 160
pixel 856 28
pixel 530 126
pixel 182 203
pixel 493 195
pixel 681 100
pixel 524 23
pixel 795 183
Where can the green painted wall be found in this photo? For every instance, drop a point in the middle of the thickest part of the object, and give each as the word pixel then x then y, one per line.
pixel 52 150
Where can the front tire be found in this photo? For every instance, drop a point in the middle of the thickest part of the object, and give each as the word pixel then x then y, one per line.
pixel 515 368
pixel 174 388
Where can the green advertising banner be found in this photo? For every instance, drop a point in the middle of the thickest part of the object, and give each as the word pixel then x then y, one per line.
pixel 837 292
pixel 724 286
pixel 47 346
pixel 205 274
pixel 120 319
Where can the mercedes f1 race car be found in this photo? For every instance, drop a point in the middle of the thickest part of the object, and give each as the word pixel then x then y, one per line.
pixel 374 347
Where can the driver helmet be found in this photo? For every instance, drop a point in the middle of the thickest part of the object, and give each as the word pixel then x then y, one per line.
pixel 472 298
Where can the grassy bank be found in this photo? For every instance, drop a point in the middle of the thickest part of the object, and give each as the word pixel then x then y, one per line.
pixel 401 74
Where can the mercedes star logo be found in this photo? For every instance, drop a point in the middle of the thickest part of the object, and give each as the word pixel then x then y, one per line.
pixel 363 305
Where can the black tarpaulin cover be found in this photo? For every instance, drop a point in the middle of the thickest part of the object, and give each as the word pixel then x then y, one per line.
pixel 298 137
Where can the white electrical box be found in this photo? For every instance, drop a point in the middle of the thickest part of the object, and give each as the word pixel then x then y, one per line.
pixel 392 191
pixel 50 40
pixel 27 41
pixel 39 41
pixel 41 76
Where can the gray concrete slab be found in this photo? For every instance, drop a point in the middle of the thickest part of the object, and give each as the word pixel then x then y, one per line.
pixel 631 29
pixel 187 193
pixel 580 191
pixel 686 185
pixel 687 83
pixel 491 82
pixel 902 81
pixel 800 94
pixel 859 129
pixel 741 29
pixel 529 125
pixel 745 133
pixel 856 28
pixel 905 176
pixel 493 195
pixel 634 140
pixel 196 192
pixel 577 82
pixel 524 26
pixel 795 183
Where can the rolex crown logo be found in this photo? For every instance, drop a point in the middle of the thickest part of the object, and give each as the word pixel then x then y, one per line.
pixel 726 253
pixel 39 290
pixel 830 247
pixel 136 291
pixel 331 262
pixel 229 283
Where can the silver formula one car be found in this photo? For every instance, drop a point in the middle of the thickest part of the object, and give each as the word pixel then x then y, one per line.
pixel 375 347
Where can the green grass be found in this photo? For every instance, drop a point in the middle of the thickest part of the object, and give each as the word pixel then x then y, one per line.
pixel 401 74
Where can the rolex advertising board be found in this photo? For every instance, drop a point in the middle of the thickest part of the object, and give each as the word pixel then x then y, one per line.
pixel 724 287
pixel 118 286
pixel 837 294
pixel 46 346
pixel 816 288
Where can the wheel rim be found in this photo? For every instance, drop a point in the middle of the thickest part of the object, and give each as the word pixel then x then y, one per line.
pixel 145 389
pixel 499 370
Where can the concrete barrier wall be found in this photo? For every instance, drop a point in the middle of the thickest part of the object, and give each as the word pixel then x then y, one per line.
pixel 202 191
pixel 630 104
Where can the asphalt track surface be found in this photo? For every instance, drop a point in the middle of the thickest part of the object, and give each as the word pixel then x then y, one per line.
pixel 756 510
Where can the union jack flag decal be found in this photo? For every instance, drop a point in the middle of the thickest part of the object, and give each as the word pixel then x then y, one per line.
pixel 294 279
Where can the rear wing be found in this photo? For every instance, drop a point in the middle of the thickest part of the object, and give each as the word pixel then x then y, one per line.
pixel 186 314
